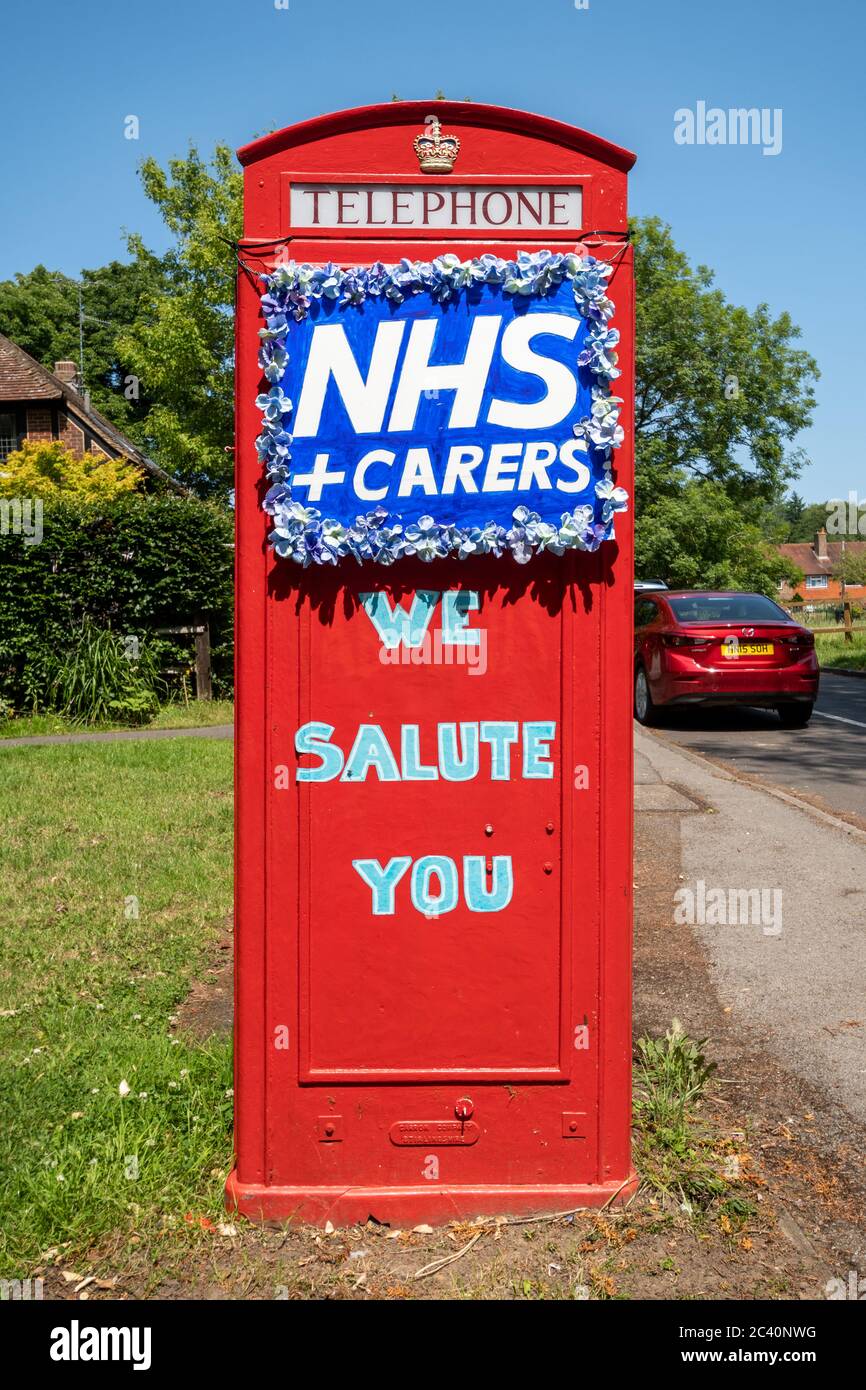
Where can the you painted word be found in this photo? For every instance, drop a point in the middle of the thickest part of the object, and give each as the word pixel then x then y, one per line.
pixel 480 895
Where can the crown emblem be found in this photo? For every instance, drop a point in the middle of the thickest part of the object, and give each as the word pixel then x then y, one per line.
pixel 436 152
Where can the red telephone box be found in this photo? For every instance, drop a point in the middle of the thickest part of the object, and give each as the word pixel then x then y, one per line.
pixel 433 756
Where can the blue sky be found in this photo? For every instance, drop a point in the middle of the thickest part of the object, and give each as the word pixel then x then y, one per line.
pixel 785 229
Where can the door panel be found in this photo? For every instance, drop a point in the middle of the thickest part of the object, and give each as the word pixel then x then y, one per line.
pixel 465 990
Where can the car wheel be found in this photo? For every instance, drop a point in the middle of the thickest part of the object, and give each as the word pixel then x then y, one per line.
pixel 645 712
pixel 794 716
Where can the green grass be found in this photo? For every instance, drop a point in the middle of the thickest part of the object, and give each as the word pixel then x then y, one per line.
pixel 198 714
pixel 87 989
pixel 834 651
pixel 675 1152
pixel 176 715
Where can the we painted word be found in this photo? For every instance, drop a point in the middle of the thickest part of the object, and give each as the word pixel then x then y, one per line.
pixel 406 636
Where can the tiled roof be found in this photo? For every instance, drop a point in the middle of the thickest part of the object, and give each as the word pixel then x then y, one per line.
pixel 22 378
pixel 805 558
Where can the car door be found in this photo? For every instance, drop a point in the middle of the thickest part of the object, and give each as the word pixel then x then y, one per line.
pixel 653 617
pixel 645 613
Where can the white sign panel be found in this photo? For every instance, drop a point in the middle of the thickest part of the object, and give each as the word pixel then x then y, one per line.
pixel 460 207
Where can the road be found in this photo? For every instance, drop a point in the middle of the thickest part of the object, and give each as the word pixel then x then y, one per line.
pixel 827 760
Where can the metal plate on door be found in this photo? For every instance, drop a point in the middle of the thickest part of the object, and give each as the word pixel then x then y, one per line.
pixel 434 1133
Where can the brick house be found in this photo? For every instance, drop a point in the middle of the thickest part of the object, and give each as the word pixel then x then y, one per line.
pixel 37 405
pixel 819 562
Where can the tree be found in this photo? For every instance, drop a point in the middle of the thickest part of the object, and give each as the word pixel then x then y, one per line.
pixel 696 538
pixel 48 470
pixel 793 508
pixel 721 392
pixel 181 344
pixel 839 517
pixel 40 312
pixel 810 520
pixel 852 567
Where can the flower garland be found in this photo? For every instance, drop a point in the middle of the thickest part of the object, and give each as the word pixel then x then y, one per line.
pixel 301 534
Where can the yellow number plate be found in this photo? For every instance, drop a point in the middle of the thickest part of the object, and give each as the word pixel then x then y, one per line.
pixel 730 648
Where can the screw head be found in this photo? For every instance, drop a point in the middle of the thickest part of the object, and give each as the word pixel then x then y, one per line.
pixel 488 830
pixel 464 1108
pixel 548 868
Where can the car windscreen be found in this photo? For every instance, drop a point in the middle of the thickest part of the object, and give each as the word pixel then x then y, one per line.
pixel 727 608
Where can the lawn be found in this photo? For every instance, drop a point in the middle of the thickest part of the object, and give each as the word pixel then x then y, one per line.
pixel 115 881
pixel 115 1127
pixel 194 714
pixel 834 651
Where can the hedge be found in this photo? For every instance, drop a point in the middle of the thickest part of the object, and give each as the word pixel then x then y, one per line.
pixel 134 564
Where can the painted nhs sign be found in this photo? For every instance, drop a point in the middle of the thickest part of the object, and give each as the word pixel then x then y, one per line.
pixel 461 410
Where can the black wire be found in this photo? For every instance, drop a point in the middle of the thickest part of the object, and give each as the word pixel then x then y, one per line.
pixel 622 239
pixel 250 244
pixel 255 275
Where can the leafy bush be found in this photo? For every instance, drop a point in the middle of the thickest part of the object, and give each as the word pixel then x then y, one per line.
pixel 674 1152
pixel 670 1075
pixel 99 678
pixel 48 470
pixel 132 565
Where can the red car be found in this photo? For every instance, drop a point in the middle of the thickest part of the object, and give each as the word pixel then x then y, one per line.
pixel 693 648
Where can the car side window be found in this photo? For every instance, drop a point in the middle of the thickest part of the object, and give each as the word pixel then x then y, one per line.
pixel 645 612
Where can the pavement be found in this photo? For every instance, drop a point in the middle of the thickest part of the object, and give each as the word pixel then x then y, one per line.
pixel 805 981
pixel 826 760
pixel 780 993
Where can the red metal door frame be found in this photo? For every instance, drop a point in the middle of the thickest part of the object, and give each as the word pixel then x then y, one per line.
pixel 375 143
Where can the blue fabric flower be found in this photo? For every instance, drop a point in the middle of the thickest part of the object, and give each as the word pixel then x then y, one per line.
pixel 425 539
pixel 614 499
